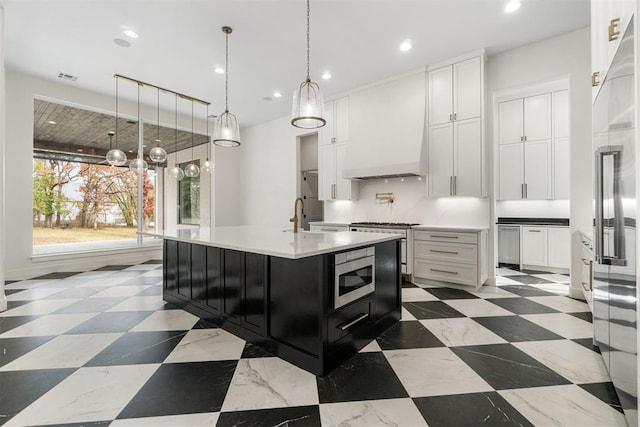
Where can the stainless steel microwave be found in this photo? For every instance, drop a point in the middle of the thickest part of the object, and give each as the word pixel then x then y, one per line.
pixel 355 275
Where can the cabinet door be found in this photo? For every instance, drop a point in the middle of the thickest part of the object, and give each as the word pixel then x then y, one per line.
pixel 510 171
pixel 467 89
pixel 561 114
pixel 326 171
pixel 510 121
pixel 198 274
pixel 534 246
pixel 255 281
pixel 341 120
pixel 537 117
pixel 440 95
pixel 440 171
pixel 327 132
pixel 214 279
pixel 561 168
pixel 343 186
pixel 537 170
pixel 468 158
pixel 559 247
pixel 232 291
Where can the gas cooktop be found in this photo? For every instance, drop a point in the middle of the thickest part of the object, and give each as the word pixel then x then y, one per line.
pixel 382 224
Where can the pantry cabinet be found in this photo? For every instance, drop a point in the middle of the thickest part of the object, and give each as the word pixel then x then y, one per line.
pixel 336 130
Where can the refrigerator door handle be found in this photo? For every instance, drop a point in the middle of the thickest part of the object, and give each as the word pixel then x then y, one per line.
pixel 618 255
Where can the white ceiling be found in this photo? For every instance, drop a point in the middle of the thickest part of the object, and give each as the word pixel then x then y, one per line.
pixel 181 42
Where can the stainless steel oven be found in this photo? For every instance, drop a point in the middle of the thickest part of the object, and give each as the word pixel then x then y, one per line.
pixel 355 275
pixel 401 228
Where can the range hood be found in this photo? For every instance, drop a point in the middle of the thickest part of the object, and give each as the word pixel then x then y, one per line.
pixel 387 131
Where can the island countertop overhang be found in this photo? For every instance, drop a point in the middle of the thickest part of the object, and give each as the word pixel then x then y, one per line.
pixel 273 241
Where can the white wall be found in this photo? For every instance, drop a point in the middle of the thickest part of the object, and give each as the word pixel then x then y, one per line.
pixel 309 152
pixel 3 298
pixel 227 191
pixel 567 55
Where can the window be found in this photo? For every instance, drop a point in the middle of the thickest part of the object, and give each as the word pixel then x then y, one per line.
pixel 189 198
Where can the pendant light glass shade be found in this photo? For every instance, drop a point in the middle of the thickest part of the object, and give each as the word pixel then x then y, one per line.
pixel 226 131
pixel 308 105
pixel 158 154
pixel 176 173
pixel 116 157
pixel 138 165
pixel 206 167
pixel 191 170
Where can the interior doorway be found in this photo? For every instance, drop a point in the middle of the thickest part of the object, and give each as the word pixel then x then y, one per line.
pixel 308 179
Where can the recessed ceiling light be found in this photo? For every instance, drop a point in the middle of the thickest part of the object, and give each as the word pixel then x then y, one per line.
pixel 277 94
pixel 406 46
pixel 512 6
pixel 268 98
pixel 219 70
pixel 122 42
pixel 51 122
pixel 131 33
pixel 326 75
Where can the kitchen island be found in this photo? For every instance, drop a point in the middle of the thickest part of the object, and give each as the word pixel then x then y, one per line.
pixel 300 296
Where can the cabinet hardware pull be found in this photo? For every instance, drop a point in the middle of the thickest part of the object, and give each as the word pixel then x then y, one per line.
pixel 444 271
pixel 521 138
pixel 444 237
pixel 613 29
pixel 534 231
pixel 444 252
pixel 584 287
pixel 455 185
pixel 525 138
pixel 351 323
pixel 522 191
pixel 595 78
pixel 451 186
pixel 450 117
pixel 585 262
pixel 333 191
pixel 455 116
pixel 526 190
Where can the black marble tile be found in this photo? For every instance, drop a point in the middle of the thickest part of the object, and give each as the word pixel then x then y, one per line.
pixel 91 305
pixel 474 409
pixel 83 292
pixel 8 282
pixel 365 376
pixel 504 367
pixel 450 293
pixel 431 310
pixel 588 343
pixel 182 388
pixel 83 424
pixel 12 348
pixel 8 292
pixel 409 285
pixel 297 416
pixel 19 389
pixel 522 306
pixel 57 275
pixel 152 291
pixel 103 323
pixel 14 304
pixel 10 322
pixel 408 334
pixel 587 316
pixel 205 324
pixel 153 261
pixel 112 267
pixel 530 280
pixel 605 392
pixel 138 348
pixel 516 328
pixel 526 291
pixel 141 281
pixel 534 272
pixel 251 351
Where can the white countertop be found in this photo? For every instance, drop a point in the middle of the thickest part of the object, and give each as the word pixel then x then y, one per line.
pixel 458 228
pixel 274 241
pixel 330 223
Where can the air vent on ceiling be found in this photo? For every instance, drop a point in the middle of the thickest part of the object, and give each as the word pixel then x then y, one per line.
pixel 68 77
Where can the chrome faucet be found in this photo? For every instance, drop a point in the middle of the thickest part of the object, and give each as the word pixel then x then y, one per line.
pixel 294 220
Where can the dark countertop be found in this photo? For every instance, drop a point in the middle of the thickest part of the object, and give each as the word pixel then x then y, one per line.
pixel 534 221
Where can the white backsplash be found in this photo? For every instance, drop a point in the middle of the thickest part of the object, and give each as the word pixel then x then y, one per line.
pixel 410 205
pixel 533 209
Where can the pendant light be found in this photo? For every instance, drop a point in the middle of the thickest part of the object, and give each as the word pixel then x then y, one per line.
pixel 226 132
pixel 307 112
pixel 175 172
pixel 138 165
pixel 115 156
pixel 158 154
pixel 192 170
pixel 207 166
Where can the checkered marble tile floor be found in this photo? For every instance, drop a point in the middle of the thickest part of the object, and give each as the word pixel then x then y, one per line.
pixel 102 348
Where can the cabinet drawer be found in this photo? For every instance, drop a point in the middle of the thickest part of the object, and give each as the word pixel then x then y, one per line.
pixel 447 252
pixel 446 236
pixel 464 274
pixel 348 319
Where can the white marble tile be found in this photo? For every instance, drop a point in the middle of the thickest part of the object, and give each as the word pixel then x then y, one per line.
pixel 34 294
pixel 557 278
pixel 461 331
pixel 477 308
pixel 144 267
pixel 207 419
pixel 571 360
pixel 487 292
pixel 153 273
pixel 434 372
pixel 167 320
pixel 150 303
pixel 406 315
pixel 26 284
pixel 501 271
pixel 106 281
pixel 564 304
pixel 52 324
pixel 39 307
pixel 92 274
pixel 562 324
pixel 119 291
pixel 416 294
pixel 372 346
pixel 89 394
pixel 64 351
pixel 556 288
pixel 269 382
pixel 505 281
pixel 565 405
pixel 387 412
pixel 202 345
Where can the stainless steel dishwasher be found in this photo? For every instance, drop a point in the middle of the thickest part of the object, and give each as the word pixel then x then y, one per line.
pixel 509 246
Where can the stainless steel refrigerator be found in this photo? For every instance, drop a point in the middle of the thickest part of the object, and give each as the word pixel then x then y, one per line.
pixel 615 206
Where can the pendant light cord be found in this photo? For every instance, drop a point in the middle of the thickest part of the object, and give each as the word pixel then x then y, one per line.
pixel 226 71
pixel 138 156
pixel 117 133
pixel 158 133
pixel 175 146
pixel 308 42
pixel 192 132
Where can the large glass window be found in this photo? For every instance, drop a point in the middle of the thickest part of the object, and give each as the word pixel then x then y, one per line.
pixel 189 198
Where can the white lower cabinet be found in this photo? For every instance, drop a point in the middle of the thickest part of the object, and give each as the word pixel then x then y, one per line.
pixel 559 243
pixel 534 246
pixel 450 255
pixel 544 246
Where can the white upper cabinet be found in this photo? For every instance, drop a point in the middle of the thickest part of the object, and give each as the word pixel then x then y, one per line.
pixel 561 114
pixel 456 139
pixel 510 125
pixel 336 113
pixel 537 117
pixel 510 171
pixel 537 170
